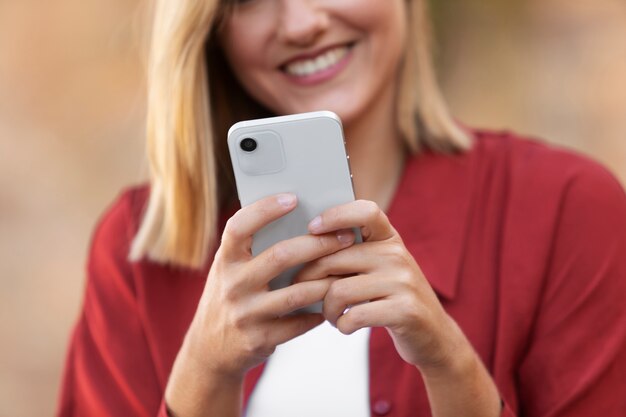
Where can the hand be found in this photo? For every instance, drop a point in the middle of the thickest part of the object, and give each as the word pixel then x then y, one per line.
pixel 381 285
pixel 239 322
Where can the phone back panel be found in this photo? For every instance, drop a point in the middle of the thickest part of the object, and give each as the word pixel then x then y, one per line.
pixel 314 166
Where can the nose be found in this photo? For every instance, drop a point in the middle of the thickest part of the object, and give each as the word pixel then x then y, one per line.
pixel 301 22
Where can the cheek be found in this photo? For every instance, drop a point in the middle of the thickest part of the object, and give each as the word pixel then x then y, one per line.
pixel 388 20
pixel 384 22
pixel 375 15
pixel 391 42
pixel 242 41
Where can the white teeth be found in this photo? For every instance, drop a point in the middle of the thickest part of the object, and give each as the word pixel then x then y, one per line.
pixel 307 67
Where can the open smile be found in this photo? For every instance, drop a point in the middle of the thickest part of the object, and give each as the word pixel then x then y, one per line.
pixel 320 66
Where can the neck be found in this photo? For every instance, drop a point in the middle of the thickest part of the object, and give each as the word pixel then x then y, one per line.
pixel 376 152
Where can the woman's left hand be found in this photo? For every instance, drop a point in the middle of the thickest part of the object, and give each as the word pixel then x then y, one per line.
pixel 381 285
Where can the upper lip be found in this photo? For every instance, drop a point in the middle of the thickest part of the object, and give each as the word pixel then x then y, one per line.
pixel 315 53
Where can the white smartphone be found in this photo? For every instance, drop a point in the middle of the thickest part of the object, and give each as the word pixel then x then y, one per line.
pixel 304 154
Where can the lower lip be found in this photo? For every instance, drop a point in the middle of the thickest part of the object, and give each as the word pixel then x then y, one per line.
pixel 321 76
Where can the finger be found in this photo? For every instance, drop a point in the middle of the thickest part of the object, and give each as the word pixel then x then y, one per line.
pixel 281 302
pixel 289 327
pixel 237 235
pixel 347 292
pixel 364 214
pixel 373 314
pixel 358 259
pixel 299 250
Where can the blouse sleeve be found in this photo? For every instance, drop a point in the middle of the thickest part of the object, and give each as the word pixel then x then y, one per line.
pixel 109 370
pixel 575 364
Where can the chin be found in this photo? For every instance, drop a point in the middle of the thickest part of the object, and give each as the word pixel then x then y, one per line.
pixel 349 99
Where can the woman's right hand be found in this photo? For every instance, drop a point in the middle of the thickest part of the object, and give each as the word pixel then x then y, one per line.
pixel 239 321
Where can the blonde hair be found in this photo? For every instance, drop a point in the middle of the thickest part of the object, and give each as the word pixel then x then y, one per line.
pixel 193 98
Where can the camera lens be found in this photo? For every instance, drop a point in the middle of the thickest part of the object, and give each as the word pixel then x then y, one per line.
pixel 248 145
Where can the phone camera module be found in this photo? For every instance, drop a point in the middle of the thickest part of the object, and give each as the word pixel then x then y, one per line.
pixel 248 145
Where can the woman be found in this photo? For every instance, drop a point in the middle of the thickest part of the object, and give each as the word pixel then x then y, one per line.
pixel 493 265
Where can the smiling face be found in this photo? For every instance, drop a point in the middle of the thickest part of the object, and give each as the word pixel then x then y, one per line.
pixel 304 55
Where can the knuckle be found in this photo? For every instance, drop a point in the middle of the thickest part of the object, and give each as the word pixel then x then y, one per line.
pixel 257 343
pixel 278 254
pixel 397 253
pixel 230 292
pixel 338 291
pixel 370 208
pixel 293 300
pixel 220 259
pixel 414 313
pixel 239 320
pixel 231 229
pixel 407 260
pixel 406 279
pixel 227 291
pixel 231 288
pixel 323 243
pixel 251 346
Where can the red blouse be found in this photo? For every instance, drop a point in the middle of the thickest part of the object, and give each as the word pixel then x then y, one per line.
pixel 524 244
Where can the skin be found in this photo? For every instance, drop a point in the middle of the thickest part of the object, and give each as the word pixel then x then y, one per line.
pixel 263 34
pixel 239 322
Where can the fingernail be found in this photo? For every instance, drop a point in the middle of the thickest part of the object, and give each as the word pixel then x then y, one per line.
pixel 286 200
pixel 345 236
pixel 315 224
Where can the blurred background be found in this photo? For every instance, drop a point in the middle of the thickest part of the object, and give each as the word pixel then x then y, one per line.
pixel 71 134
